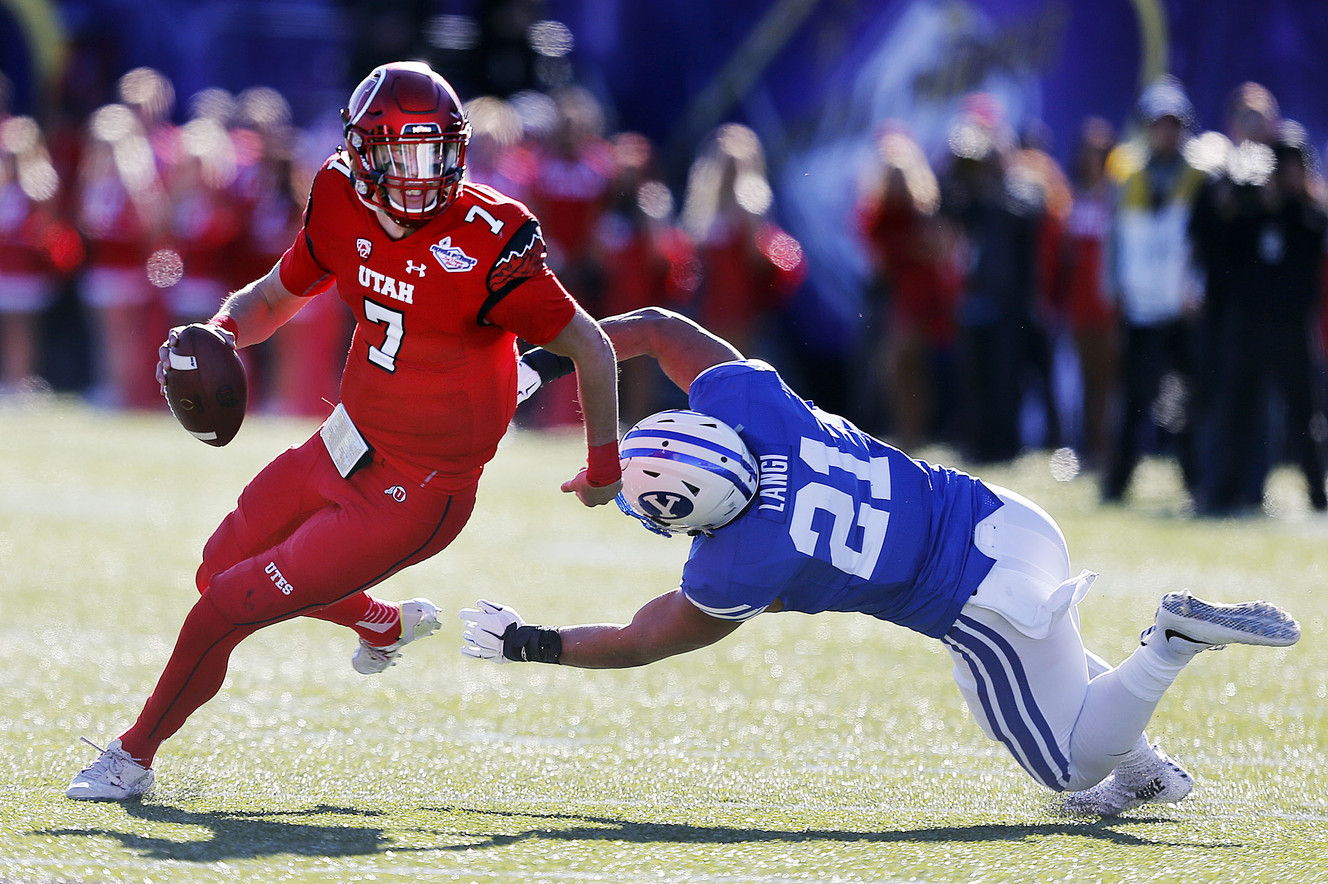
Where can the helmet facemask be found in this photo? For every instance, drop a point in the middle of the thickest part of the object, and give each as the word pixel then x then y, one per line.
pixel 409 177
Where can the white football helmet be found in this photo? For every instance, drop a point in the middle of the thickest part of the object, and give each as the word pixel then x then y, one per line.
pixel 685 473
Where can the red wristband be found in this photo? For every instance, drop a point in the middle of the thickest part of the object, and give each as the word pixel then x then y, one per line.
pixel 602 465
pixel 226 322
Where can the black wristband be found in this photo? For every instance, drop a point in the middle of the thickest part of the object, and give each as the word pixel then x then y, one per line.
pixel 547 364
pixel 532 644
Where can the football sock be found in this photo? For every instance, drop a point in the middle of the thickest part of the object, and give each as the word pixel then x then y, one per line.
pixel 377 622
pixel 1109 731
pixel 192 676
pixel 1141 759
pixel 1151 669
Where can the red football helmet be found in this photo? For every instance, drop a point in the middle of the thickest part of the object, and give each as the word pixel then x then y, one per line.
pixel 406 133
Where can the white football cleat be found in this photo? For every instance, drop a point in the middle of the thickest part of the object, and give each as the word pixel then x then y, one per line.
pixel 114 776
pixel 419 618
pixel 1162 782
pixel 1189 625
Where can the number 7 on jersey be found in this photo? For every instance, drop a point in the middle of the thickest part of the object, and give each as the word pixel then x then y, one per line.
pixel 385 357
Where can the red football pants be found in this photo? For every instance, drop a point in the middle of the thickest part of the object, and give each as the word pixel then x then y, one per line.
pixel 300 539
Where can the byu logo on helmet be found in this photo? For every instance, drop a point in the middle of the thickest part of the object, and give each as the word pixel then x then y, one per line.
pixel 664 505
pixel 685 472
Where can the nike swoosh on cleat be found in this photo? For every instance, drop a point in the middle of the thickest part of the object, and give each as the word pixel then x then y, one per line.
pixel 1171 633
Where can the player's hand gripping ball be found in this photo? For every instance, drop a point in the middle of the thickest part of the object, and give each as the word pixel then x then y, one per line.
pixel 206 386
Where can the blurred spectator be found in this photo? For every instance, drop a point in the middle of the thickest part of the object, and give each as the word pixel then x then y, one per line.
pixel 122 213
pixel 301 367
pixel 496 155
pixel 750 267
pixel 205 220
pixel 34 245
pixel 1039 180
pixel 998 219
pixel 570 191
pixel 1227 204
pixel 1088 313
pixel 150 95
pixel 1275 242
pixel 265 187
pixel 1152 276
pixel 646 259
pixel 918 284
pixel 1258 230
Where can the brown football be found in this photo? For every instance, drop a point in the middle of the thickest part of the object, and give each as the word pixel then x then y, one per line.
pixel 206 386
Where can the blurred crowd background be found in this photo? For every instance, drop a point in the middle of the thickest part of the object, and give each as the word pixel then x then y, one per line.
pixel 994 225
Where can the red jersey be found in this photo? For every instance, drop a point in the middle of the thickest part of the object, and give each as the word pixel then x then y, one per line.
pixel 570 194
pixel 1085 252
pixel 430 380
pixel 23 229
pixel 748 275
pixel 909 252
pixel 645 266
pixel 113 224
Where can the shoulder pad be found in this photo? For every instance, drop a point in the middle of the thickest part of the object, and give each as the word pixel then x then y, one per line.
pixel 494 200
pixel 338 163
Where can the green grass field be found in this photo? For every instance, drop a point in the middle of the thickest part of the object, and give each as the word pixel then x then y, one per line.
pixel 832 748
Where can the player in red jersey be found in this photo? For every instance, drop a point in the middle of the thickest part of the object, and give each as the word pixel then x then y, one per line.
pixel 442 277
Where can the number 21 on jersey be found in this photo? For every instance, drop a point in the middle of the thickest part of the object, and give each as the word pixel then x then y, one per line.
pixel 852 555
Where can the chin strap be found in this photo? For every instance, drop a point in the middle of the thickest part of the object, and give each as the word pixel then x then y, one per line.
pixel 651 524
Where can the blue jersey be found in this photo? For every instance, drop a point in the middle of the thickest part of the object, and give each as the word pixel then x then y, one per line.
pixel 841 521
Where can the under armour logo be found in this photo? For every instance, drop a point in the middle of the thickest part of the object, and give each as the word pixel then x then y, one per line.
pixel 412 267
pixel 396 492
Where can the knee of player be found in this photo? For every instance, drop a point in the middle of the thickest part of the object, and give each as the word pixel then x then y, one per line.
pixel 215 559
pixel 224 604
pixel 246 595
pixel 203 576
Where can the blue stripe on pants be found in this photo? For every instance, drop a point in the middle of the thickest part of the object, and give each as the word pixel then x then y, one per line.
pixel 1001 684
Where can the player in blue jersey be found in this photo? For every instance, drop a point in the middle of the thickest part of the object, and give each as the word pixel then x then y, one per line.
pixel 792 508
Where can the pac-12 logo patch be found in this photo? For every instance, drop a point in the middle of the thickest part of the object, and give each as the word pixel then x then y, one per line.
pixel 664 505
pixel 364 247
pixel 396 492
pixel 451 257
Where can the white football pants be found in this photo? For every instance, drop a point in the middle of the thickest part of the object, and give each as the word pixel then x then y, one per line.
pixel 1063 712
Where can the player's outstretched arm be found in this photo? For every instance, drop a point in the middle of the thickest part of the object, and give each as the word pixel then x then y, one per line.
pixel 664 627
pixel 588 347
pixel 682 348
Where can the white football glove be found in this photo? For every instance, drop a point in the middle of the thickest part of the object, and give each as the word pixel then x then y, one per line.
pixel 484 629
pixel 527 381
